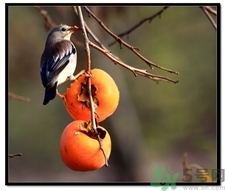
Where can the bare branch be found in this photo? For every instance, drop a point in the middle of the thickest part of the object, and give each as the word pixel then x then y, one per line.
pixel 132 48
pixel 48 21
pixel 187 168
pixel 211 10
pixel 135 71
pixel 88 77
pixel 205 10
pixel 139 24
pixel 18 97
pixel 91 33
pixel 93 36
pixel 15 155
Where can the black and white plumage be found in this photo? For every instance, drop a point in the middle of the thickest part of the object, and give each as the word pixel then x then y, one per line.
pixel 58 61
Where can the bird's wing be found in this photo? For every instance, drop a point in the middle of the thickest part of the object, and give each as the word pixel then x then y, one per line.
pixel 57 60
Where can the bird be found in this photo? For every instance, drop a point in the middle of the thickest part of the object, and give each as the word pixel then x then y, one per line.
pixel 58 60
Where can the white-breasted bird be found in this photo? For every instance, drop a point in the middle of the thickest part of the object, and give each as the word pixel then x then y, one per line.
pixel 58 61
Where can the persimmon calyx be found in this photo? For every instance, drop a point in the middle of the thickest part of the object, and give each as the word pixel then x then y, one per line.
pixel 84 95
pixel 87 128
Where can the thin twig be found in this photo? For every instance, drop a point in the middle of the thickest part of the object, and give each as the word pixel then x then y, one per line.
pixel 18 97
pixel 48 21
pixel 211 10
pixel 116 60
pixel 135 71
pixel 93 36
pixel 187 168
pixel 88 76
pixel 90 32
pixel 15 155
pixel 132 48
pixel 205 10
pixel 127 32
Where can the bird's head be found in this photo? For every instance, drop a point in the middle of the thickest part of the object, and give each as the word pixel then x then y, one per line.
pixel 62 31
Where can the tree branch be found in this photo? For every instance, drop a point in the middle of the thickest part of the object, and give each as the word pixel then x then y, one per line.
pixel 48 21
pixel 90 32
pixel 205 10
pixel 135 71
pixel 18 97
pixel 139 24
pixel 187 168
pixel 15 155
pixel 93 36
pixel 132 48
pixel 88 77
pixel 101 48
pixel 211 10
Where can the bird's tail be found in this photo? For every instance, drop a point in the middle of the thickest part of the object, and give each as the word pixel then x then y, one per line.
pixel 49 94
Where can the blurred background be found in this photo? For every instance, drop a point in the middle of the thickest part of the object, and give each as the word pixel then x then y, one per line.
pixel 154 124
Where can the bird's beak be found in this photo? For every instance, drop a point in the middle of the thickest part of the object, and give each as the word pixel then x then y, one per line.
pixel 74 28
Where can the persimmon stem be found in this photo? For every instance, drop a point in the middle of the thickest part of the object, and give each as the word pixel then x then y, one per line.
pixel 88 79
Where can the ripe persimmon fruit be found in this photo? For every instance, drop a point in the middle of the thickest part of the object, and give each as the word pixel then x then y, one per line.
pixel 80 148
pixel 105 95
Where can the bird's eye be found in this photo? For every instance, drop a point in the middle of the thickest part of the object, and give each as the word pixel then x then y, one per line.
pixel 63 29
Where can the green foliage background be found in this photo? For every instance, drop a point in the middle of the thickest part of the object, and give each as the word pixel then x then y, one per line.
pixel 154 123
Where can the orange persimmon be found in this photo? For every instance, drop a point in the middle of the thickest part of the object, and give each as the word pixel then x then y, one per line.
pixel 80 149
pixel 105 95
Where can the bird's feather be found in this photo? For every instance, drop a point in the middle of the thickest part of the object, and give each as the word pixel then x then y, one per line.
pixel 53 65
pixel 58 61
pixel 50 94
